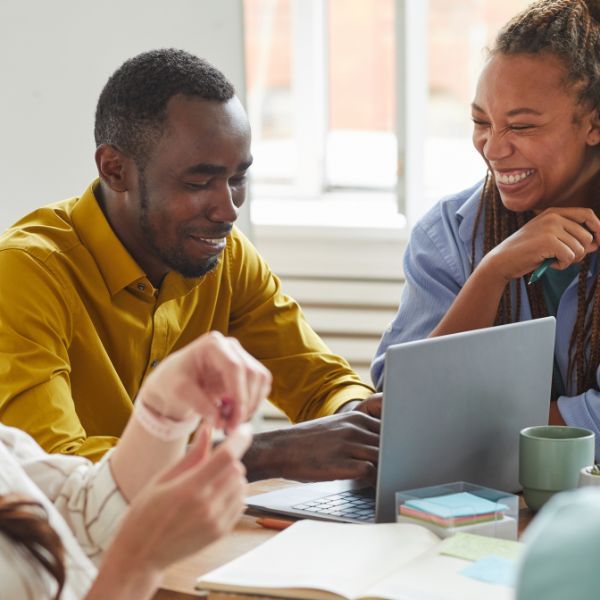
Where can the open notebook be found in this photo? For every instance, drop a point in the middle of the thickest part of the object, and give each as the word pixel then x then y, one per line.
pixel 328 561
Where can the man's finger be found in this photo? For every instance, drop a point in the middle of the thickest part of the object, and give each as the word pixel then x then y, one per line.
pixel 361 470
pixel 364 421
pixel 365 453
pixel 373 405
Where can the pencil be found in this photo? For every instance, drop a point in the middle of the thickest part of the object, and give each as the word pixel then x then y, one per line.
pixel 540 270
pixel 270 523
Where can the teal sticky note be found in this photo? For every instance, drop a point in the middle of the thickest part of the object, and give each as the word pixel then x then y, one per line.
pixel 462 504
pixel 492 569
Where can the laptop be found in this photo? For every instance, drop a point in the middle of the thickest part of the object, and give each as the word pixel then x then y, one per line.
pixel 453 407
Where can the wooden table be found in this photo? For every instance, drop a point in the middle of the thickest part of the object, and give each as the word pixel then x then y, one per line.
pixel 179 580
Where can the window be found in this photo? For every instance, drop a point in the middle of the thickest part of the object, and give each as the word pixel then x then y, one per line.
pixel 320 85
pixel 364 104
pixel 268 30
pixel 458 31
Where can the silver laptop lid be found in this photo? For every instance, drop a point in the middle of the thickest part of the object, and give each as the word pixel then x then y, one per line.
pixel 454 405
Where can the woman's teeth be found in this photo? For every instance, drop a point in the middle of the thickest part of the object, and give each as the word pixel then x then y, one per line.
pixel 513 178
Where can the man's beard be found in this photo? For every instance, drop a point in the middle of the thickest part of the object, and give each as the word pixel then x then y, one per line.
pixel 172 256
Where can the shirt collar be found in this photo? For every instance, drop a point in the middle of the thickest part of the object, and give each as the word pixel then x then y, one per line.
pixel 467 212
pixel 117 266
pixel 119 269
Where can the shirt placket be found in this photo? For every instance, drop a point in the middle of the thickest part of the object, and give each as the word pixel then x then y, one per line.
pixel 158 341
pixel 160 332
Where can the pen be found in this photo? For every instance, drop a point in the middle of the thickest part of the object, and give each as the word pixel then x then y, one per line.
pixel 270 523
pixel 540 270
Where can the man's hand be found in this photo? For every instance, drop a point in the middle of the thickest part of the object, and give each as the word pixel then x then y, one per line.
pixel 342 446
pixel 370 406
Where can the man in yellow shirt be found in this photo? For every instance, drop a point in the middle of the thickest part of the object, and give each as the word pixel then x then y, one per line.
pixel 96 290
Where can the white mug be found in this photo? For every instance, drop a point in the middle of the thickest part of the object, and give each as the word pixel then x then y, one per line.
pixel 586 478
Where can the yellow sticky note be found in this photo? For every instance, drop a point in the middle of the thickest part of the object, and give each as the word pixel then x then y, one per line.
pixel 473 547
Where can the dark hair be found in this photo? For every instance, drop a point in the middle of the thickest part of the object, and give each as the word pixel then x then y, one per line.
pixel 131 110
pixel 567 29
pixel 25 522
pixel 570 30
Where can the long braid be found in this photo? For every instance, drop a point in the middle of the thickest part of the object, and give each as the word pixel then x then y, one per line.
pixel 519 222
pixel 577 361
pixel 500 223
pixel 594 338
pixel 569 29
pixel 504 233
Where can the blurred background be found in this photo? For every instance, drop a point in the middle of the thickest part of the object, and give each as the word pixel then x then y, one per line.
pixel 357 74
pixel 360 117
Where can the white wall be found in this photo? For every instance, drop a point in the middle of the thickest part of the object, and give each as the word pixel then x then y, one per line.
pixel 55 56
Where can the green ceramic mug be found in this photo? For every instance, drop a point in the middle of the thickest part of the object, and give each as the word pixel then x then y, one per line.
pixel 550 458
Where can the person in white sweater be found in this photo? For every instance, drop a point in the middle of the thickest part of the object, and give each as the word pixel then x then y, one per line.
pixel 71 529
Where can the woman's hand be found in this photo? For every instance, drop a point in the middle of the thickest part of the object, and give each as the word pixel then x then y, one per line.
pixel 192 504
pixel 188 506
pixel 566 234
pixel 214 377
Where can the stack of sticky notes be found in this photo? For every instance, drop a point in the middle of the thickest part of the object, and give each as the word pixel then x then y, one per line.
pixel 453 510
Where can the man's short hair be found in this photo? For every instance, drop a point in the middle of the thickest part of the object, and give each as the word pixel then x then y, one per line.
pixel 131 110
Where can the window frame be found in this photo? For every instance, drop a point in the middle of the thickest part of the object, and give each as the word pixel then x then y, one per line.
pixel 310 105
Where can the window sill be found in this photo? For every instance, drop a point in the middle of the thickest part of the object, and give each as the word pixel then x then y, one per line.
pixel 337 214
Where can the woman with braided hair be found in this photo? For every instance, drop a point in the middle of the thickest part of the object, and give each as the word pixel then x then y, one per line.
pixel 536 116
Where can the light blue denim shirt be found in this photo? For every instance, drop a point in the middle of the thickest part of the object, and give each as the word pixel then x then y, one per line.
pixel 437 264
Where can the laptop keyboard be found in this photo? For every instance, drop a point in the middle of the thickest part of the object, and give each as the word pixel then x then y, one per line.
pixel 353 504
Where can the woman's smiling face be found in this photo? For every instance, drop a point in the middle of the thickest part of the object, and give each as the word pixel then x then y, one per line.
pixel 540 143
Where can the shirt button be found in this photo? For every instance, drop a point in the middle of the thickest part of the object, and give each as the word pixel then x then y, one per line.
pixel 141 286
pixel 154 363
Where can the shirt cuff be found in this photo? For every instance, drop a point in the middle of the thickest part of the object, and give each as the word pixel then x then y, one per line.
pixel 349 393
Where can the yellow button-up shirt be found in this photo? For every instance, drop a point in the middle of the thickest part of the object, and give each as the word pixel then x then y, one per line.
pixel 81 326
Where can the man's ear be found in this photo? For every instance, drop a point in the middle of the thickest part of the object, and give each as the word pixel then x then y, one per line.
pixel 593 138
pixel 116 169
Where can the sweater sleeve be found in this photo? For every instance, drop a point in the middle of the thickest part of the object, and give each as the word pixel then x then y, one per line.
pixel 85 494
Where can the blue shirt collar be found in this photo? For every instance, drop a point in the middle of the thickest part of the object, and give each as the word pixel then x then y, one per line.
pixel 467 212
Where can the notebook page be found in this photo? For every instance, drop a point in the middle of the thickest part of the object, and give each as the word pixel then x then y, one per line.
pixel 344 559
pixel 435 576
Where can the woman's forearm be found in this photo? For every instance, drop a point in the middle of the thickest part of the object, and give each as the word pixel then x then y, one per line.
pixel 197 496
pixel 123 575
pixel 139 455
pixel 477 302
